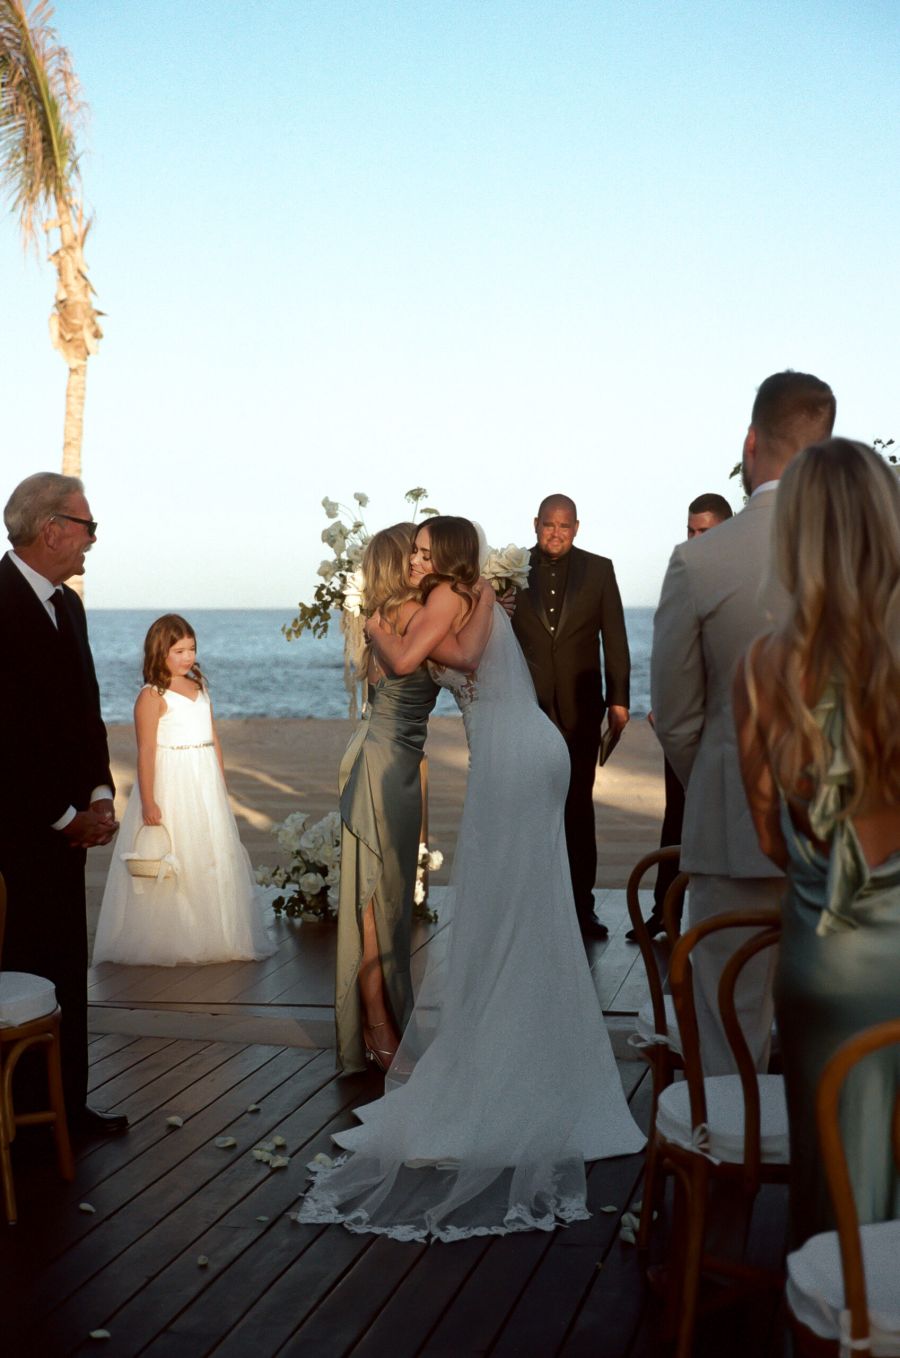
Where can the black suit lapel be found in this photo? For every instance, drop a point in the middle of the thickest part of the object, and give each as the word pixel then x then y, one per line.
pixel 574 582
pixel 534 592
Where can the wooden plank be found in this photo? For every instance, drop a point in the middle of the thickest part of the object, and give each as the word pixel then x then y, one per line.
pixel 191 1183
pixel 568 1270
pixel 108 1067
pixel 129 1082
pixel 166 1287
pixel 145 1156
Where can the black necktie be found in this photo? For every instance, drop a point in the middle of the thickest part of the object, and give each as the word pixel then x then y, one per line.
pixel 63 625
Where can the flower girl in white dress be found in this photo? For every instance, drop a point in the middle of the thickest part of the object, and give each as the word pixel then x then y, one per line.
pixel 204 905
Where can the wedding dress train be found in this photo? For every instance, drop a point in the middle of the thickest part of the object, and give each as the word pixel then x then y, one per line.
pixel 505 1082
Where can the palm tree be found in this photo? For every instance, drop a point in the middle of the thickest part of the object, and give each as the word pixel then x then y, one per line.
pixel 39 110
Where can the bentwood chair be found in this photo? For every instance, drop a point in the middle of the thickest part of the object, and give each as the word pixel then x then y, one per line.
pixel 724 1128
pixel 29 1017
pixel 843 1287
pixel 656 1035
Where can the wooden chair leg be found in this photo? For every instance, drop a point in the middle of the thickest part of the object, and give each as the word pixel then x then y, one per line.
pixel 651 1187
pixel 675 1257
pixel 693 1257
pixel 7 1127
pixel 58 1104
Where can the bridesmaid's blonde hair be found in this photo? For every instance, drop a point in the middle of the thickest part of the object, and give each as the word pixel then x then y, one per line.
pixel 836 542
pixel 386 587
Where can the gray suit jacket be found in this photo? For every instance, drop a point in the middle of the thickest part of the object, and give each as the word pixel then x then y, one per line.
pixel 709 611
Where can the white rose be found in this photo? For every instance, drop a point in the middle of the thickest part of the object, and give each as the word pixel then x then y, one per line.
pixel 331 507
pixel 329 854
pixel 264 876
pixel 333 897
pixel 354 593
pixel 311 841
pixel 419 893
pixel 311 884
pixel 333 876
pixel 435 860
pixel 361 500
pixel 326 570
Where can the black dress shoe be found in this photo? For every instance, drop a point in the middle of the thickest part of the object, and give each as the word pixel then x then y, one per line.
pixel 592 928
pixel 655 925
pixel 91 1122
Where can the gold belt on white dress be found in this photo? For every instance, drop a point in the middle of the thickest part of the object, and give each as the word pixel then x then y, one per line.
pixel 204 745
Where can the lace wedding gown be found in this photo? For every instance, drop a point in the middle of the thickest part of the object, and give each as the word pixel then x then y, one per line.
pixel 505 1081
pixel 211 909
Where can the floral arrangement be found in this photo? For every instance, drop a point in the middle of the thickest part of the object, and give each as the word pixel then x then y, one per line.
pixel 310 882
pixel 341 589
pixel 342 585
pixel 311 879
pixel 507 567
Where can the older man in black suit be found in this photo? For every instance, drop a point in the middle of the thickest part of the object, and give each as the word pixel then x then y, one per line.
pixel 56 793
pixel 572 603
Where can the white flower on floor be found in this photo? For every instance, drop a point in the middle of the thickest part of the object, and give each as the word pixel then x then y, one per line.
pixel 225 1143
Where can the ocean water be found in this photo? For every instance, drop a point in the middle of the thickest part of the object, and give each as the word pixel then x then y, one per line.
pixel 254 672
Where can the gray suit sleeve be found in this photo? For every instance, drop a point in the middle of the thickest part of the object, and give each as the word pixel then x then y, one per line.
pixel 677 670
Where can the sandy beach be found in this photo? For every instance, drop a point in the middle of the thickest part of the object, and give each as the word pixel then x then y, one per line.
pixel 276 766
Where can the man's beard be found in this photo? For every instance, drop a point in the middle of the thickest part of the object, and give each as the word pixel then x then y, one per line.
pixel 745 478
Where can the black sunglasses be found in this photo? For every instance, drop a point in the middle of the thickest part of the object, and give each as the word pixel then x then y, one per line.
pixel 89 524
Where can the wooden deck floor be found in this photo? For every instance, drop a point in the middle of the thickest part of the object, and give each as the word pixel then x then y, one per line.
pixel 288 998
pixel 202 1044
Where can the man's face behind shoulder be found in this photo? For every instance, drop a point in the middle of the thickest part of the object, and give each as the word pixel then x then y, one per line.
pixel 698 524
pixel 556 529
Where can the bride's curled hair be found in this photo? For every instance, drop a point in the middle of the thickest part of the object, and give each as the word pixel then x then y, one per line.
pixel 454 556
pixel 836 541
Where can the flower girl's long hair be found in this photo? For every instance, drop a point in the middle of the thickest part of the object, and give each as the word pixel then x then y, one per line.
pixel 836 541
pixel 160 639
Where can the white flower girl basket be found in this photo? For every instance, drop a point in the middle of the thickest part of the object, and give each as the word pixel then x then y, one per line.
pixel 152 854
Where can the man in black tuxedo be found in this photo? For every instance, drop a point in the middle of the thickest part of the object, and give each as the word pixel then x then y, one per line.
pixel 571 603
pixel 56 791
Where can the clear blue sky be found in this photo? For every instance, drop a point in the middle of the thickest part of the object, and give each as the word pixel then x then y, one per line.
pixel 493 247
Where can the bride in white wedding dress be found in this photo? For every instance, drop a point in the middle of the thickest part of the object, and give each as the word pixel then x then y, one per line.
pixel 505 1083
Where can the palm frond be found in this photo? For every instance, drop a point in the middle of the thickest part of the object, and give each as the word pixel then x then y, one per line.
pixel 40 108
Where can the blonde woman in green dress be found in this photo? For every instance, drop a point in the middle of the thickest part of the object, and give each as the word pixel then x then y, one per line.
pixel 381 801
pixel 817 707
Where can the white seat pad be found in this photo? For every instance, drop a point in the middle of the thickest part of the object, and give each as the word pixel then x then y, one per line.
pixel 815 1287
pixel 24 997
pixel 645 1030
pixel 725 1112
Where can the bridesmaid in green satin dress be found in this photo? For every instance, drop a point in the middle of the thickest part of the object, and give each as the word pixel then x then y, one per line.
pixel 817 707
pixel 381 813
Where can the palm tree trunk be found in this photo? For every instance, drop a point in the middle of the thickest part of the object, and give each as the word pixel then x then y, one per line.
pixel 75 331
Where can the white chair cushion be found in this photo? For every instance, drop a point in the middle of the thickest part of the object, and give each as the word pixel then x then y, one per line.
pixel 725 1113
pixel 645 1032
pixel 24 997
pixel 815 1286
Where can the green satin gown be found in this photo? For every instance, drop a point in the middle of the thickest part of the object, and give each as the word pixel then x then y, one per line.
pixel 381 815
pixel 839 972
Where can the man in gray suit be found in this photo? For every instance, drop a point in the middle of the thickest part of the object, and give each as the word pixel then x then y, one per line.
pixel 710 609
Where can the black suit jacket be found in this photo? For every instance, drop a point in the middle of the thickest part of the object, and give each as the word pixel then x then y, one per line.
pixel 53 748
pixel 565 667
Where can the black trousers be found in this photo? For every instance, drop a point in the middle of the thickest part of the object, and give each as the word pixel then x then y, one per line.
pixel 581 834
pixel 671 834
pixel 46 934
